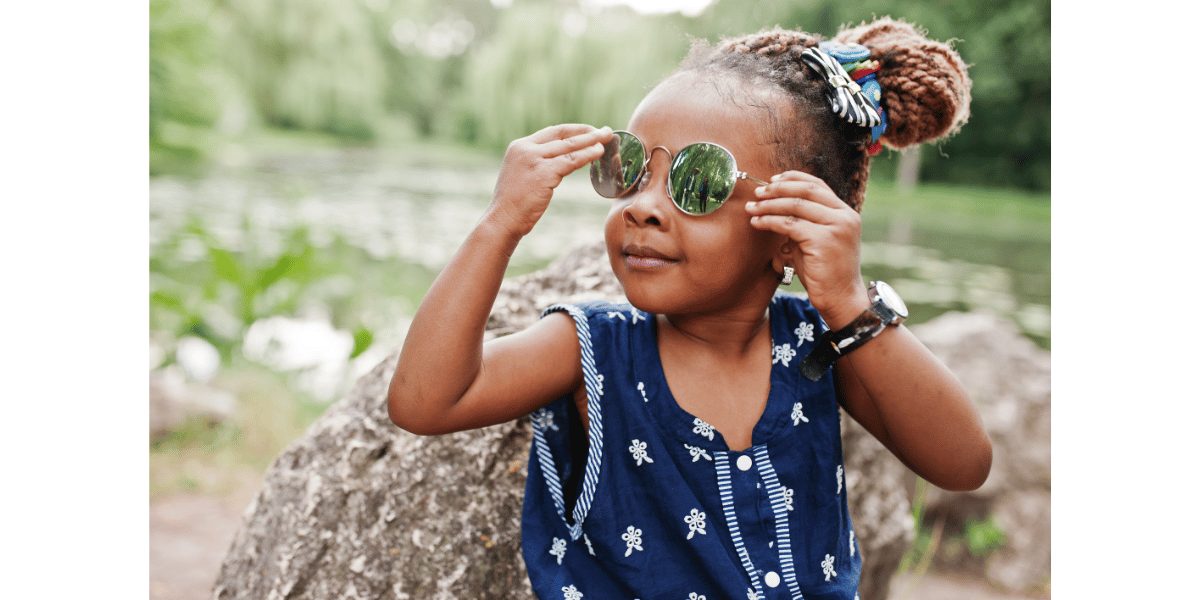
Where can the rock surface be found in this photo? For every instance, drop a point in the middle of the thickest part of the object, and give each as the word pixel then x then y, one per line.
pixel 1009 378
pixel 357 508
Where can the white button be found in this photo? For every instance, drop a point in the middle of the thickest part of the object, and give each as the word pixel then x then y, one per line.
pixel 772 579
pixel 744 462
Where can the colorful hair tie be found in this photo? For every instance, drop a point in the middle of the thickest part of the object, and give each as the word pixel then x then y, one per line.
pixel 855 94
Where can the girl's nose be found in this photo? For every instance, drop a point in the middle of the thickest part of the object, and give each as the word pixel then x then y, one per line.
pixel 649 202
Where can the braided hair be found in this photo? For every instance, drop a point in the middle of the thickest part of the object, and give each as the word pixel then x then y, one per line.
pixel 926 93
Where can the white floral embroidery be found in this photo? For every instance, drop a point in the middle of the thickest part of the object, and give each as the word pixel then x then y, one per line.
pixel 589 545
pixel 642 389
pixel 693 596
pixel 636 316
pixel 851 542
pixel 804 332
pixel 600 384
pixel 751 594
pixel 798 414
pixel 788 495
pixel 614 315
pixel 702 428
pixel 839 476
pixel 697 453
pixel 570 593
pixel 638 449
pixel 695 522
pixel 543 419
pixel 783 354
pixel 559 549
pixel 633 539
pixel 827 567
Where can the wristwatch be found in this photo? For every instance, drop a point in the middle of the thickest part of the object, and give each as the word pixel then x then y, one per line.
pixel 886 309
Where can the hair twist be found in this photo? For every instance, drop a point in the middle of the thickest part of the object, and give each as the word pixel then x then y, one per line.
pixel 926 89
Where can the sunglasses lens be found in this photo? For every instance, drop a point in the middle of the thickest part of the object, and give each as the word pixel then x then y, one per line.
pixel 617 170
pixel 702 178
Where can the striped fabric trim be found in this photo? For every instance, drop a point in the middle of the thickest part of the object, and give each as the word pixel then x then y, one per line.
pixel 546 461
pixel 725 486
pixel 591 473
pixel 782 529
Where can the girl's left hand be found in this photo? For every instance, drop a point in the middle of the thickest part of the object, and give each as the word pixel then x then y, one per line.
pixel 827 235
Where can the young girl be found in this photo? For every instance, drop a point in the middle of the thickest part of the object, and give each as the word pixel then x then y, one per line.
pixel 688 446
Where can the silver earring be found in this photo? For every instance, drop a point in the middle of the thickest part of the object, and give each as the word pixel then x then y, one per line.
pixel 787 276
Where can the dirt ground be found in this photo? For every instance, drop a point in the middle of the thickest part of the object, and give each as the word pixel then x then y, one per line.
pixel 189 534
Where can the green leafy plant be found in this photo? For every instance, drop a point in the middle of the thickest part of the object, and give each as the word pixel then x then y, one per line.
pixel 983 536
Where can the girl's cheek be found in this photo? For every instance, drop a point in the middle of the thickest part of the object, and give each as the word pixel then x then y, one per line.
pixel 612 224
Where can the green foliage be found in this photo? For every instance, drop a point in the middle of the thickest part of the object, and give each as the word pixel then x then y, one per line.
pixel 183 109
pixel 983 536
pixel 382 70
pixel 308 64
pixel 533 73
pixel 217 293
pixel 362 340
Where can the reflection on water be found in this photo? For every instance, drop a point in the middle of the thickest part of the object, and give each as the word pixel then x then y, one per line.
pixel 416 214
pixel 389 225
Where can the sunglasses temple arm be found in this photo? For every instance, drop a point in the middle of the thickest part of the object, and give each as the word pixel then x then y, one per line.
pixel 744 175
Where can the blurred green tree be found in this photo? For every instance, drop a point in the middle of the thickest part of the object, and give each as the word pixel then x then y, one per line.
pixel 183 109
pixel 558 65
pixel 466 70
pixel 308 64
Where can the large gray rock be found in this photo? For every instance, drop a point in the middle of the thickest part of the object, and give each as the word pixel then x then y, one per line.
pixel 357 508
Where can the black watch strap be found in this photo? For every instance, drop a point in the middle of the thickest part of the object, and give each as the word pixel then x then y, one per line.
pixel 832 345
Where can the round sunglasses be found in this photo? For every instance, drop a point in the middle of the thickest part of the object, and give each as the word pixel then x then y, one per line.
pixel 701 178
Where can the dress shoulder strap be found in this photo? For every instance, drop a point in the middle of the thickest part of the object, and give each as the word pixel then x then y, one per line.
pixel 592 382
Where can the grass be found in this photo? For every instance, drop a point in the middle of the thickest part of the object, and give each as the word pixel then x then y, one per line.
pixel 964 211
pixel 215 458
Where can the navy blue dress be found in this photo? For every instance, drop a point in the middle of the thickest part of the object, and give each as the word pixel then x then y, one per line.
pixel 658 507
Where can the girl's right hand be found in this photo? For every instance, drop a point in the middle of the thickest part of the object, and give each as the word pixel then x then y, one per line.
pixel 535 165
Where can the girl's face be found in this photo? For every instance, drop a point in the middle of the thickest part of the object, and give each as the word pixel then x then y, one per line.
pixel 674 263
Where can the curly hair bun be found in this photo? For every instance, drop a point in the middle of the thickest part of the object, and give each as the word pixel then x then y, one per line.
pixel 926 90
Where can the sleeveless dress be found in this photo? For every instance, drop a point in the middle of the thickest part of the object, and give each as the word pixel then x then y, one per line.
pixel 659 507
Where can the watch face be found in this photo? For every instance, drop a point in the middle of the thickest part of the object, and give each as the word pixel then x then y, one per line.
pixel 891 299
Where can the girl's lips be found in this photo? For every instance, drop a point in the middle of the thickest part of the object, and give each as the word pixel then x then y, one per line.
pixel 645 262
pixel 645 257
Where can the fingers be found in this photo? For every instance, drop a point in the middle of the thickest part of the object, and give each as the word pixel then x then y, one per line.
pixel 567 147
pixel 561 132
pixel 796 204
pixel 803 186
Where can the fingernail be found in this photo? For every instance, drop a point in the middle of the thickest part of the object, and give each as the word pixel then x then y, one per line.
pixel 751 204
pixel 760 190
pixel 775 177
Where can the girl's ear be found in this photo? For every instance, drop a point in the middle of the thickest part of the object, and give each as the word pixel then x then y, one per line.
pixel 788 255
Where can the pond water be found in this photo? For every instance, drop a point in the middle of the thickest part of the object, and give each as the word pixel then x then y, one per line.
pixel 367 230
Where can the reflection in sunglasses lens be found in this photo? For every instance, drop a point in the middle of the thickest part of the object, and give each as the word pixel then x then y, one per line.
pixel 701 178
pixel 617 170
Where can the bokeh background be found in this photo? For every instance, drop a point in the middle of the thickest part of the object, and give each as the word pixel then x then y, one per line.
pixel 314 163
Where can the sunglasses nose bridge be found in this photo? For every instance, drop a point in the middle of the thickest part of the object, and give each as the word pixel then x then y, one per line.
pixel 650 158
pixel 647 203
